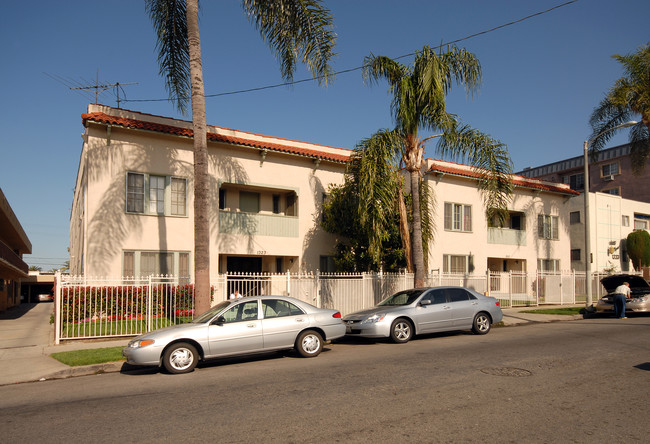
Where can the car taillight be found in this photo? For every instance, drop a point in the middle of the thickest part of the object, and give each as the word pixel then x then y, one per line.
pixel 498 303
pixel 337 315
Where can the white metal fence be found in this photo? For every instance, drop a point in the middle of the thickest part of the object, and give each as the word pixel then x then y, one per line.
pixel 105 307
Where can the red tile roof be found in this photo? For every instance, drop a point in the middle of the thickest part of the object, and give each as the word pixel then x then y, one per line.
pixel 288 147
pixel 466 171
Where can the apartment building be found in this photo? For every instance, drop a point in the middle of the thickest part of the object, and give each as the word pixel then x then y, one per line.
pixel 610 173
pixel 535 236
pixel 14 243
pixel 132 211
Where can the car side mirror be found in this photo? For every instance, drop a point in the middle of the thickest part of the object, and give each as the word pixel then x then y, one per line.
pixel 219 321
pixel 425 302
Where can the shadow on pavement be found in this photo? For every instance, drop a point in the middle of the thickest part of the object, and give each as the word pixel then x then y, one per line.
pixel 18 311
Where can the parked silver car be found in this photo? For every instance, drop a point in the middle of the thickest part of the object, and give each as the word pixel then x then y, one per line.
pixel 425 310
pixel 235 327
pixel 639 293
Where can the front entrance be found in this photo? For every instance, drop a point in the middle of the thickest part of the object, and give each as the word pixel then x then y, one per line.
pixel 245 285
pixel 243 264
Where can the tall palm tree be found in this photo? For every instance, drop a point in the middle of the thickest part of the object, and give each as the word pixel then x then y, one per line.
pixel 296 30
pixel 628 98
pixel 418 103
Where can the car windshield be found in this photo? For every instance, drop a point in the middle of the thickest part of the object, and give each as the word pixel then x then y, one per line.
pixel 402 298
pixel 210 313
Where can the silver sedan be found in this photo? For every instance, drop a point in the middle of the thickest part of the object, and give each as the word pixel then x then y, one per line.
pixel 425 310
pixel 236 327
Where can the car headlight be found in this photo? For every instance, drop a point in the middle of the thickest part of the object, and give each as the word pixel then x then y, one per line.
pixel 373 319
pixel 141 343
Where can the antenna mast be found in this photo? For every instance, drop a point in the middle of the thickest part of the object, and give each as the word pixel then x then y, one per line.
pixel 101 88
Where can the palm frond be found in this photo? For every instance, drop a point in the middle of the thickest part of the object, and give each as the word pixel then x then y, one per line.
pixel 296 30
pixel 170 23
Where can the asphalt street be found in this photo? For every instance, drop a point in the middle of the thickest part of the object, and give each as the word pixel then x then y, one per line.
pixel 581 381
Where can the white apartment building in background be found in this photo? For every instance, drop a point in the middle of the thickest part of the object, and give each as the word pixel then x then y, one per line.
pixel 132 211
pixel 612 218
pixel 535 236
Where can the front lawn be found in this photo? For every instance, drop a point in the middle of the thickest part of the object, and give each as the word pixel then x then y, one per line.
pixel 557 311
pixel 89 357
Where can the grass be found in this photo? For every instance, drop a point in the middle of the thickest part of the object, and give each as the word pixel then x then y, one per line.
pixel 558 311
pixel 89 357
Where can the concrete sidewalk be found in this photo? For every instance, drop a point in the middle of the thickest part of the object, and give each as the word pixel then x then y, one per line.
pixel 27 340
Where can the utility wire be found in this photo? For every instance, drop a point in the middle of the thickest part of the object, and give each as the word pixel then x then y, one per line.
pixel 345 71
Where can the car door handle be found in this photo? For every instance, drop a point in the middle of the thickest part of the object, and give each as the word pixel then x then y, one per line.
pixel 250 325
pixel 300 320
pixel 446 307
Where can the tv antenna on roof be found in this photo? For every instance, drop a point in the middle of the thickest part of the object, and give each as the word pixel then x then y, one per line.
pixel 101 88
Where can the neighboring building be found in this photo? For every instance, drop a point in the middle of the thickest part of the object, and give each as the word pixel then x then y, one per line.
pixel 13 245
pixel 535 236
pixel 612 218
pixel 611 173
pixel 132 211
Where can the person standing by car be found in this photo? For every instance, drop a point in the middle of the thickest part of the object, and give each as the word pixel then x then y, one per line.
pixel 621 294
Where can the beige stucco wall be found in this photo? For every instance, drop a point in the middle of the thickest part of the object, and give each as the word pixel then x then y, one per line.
pixel 101 229
pixel 449 188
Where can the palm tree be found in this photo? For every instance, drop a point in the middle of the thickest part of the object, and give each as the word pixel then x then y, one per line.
pixel 294 29
pixel 418 103
pixel 628 98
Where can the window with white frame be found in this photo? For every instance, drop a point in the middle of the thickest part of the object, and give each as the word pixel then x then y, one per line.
pixel 458 217
pixel 146 263
pixel 548 265
pixel 547 227
pixel 641 221
pixel 610 169
pixel 613 191
pixel 625 221
pixel 152 194
pixel 457 263
pixel 575 181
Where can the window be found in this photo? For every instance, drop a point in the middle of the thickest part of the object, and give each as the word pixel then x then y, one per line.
pixel 547 227
pixel 575 181
pixel 456 295
pixel 457 264
pixel 276 204
pixel 574 217
pixel 625 221
pixel 249 202
pixel 641 221
pixel 246 311
pixel 548 265
pixel 327 264
pixel 179 196
pixel 575 255
pixel 458 217
pixel 159 195
pixel 278 264
pixel 614 191
pixel 222 199
pixel 146 263
pixel 134 193
pixel 291 205
pixel 275 308
pixel 610 169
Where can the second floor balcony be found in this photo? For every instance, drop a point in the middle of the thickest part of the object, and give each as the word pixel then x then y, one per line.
pixel 506 236
pixel 258 224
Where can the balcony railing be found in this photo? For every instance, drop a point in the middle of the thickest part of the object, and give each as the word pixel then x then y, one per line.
pixel 7 255
pixel 258 224
pixel 506 236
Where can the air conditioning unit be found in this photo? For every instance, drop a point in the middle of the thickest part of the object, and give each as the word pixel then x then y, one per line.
pixel 608 178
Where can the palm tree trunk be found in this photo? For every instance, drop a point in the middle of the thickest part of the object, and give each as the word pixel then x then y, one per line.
pixel 201 224
pixel 418 251
pixel 404 226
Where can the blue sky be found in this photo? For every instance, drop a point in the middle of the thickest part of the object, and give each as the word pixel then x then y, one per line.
pixel 541 79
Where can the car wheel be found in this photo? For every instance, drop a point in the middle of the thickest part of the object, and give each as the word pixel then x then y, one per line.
pixel 309 344
pixel 401 331
pixel 180 358
pixel 482 324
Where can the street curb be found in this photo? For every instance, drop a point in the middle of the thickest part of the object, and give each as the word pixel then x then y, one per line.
pixel 86 370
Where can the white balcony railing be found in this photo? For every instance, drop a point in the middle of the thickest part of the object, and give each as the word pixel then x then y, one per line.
pixel 506 236
pixel 258 224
